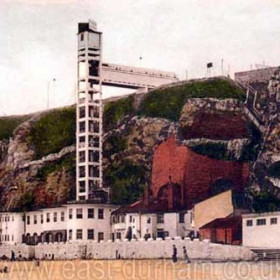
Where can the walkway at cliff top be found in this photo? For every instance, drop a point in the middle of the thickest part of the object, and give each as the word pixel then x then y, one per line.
pixel 139 270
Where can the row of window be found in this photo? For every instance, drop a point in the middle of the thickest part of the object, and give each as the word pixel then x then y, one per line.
pixel 90 213
pixel 160 219
pixel 261 222
pixel 90 234
pixel 6 237
pixel 55 217
pixel 48 218
pixel 6 219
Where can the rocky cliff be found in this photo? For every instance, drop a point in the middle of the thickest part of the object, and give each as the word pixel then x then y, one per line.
pixel 37 153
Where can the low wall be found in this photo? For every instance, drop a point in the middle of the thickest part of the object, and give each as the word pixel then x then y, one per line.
pixel 21 251
pixel 141 249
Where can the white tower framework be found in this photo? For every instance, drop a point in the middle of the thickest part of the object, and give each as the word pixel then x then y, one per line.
pixel 89 185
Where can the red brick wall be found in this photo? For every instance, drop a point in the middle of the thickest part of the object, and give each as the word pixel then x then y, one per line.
pixel 196 173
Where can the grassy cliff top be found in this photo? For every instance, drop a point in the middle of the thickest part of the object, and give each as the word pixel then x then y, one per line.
pixel 8 124
pixel 168 101
pixel 56 128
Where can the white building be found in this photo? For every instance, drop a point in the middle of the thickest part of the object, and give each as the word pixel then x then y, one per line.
pixel 150 224
pixel 11 228
pixel 261 230
pixel 68 223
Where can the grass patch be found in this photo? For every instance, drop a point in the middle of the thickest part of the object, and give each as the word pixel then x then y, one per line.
pixel 127 181
pixel 54 131
pixel 114 144
pixel 8 125
pixel 168 103
pixel 116 110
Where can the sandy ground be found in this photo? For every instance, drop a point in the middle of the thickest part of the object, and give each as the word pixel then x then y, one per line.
pixel 139 269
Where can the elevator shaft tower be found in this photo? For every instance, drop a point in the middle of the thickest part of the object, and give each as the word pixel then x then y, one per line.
pixel 89 185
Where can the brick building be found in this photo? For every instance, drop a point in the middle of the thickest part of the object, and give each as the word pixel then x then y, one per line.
pixel 197 177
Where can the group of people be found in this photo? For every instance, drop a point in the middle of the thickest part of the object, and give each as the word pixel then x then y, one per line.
pixel 185 254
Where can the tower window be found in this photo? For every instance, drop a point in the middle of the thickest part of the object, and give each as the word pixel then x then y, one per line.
pixel 82 37
pixel 82 186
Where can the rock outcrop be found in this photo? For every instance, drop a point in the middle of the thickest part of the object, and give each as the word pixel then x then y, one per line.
pixel 216 128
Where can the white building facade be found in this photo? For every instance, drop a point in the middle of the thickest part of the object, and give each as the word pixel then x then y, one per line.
pixel 11 228
pixel 261 230
pixel 151 225
pixel 68 223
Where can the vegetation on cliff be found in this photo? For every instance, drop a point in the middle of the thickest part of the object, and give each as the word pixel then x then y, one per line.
pixel 128 147
pixel 116 111
pixel 54 131
pixel 168 102
pixel 8 125
pixel 127 180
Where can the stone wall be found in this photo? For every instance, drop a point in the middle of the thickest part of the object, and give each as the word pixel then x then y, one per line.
pixel 141 249
pixel 151 249
pixel 252 76
pixel 24 251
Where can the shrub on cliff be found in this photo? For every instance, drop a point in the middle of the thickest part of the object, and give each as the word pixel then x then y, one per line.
pixel 54 131
pixel 126 180
pixel 116 110
pixel 168 102
pixel 8 125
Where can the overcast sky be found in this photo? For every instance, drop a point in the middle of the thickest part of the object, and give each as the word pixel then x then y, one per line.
pixel 38 41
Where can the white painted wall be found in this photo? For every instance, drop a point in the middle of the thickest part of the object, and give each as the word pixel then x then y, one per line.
pixel 140 226
pixel 261 236
pixel 98 225
pixel 11 228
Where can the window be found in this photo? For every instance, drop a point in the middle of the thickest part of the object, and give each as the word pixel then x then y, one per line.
pixel 181 218
pixel 62 216
pixel 82 186
pixel 90 213
pixel 273 221
pixel 249 223
pixel 42 218
pixel 79 234
pixel 130 219
pixel 28 220
pixel 55 217
pixel 90 234
pixel 160 219
pixel 100 214
pixel 82 171
pixel 48 217
pixel 122 218
pixel 79 213
pixel 70 214
pixel 100 236
pixel 82 37
pixel 261 222
pixel 82 156
pixel 70 234
pixel 35 219
pixel 119 235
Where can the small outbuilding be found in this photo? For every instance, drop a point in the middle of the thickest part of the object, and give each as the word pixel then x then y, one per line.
pixel 225 230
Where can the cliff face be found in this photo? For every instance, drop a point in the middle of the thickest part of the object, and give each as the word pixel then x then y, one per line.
pixel 37 161
pixel 265 179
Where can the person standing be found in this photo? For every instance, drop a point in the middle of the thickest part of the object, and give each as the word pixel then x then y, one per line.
pixel 185 255
pixel 174 255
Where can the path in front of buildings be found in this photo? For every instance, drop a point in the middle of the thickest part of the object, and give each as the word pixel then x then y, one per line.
pixel 139 269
